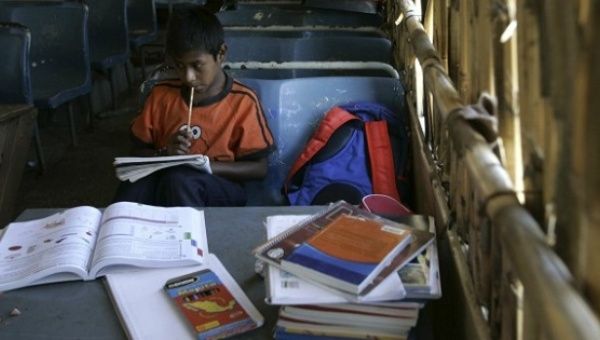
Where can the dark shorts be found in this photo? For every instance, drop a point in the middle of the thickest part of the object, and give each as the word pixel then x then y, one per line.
pixel 182 186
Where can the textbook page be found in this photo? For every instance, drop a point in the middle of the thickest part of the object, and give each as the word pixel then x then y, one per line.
pixel 52 249
pixel 284 288
pixel 148 236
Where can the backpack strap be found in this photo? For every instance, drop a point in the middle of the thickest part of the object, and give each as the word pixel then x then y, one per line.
pixel 334 118
pixel 381 159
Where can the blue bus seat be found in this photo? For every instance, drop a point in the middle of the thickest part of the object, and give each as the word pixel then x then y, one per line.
pixel 15 72
pixel 301 31
pixel 297 17
pixel 60 60
pixel 363 6
pixel 303 73
pixel 294 108
pixel 109 39
pixel 322 48
pixel 142 27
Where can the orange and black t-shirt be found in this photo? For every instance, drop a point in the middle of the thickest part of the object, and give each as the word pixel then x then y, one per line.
pixel 227 127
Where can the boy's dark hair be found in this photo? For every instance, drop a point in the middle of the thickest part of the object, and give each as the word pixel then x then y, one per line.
pixel 192 29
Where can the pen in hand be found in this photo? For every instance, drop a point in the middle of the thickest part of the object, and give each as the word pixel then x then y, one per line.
pixel 190 109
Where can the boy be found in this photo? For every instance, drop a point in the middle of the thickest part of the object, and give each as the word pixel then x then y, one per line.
pixel 227 123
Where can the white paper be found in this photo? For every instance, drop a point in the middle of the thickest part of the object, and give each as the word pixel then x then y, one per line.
pixel 145 309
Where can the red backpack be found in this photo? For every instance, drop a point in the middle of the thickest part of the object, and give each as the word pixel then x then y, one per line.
pixel 349 156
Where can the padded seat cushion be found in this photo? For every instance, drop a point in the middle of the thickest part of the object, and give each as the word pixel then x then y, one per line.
pixel 298 17
pixel 141 37
pixel 52 87
pixel 60 65
pixel 104 59
pixel 332 48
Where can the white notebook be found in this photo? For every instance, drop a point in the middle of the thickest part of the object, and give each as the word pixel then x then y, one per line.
pixel 284 288
pixel 147 313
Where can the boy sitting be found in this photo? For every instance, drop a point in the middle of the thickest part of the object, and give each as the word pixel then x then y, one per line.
pixel 227 123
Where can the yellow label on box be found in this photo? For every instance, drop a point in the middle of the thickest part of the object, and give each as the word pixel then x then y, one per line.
pixel 207 326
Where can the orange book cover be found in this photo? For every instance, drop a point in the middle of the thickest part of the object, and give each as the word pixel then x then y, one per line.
pixel 346 248
pixel 357 239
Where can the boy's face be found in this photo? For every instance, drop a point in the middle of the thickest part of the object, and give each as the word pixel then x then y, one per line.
pixel 200 70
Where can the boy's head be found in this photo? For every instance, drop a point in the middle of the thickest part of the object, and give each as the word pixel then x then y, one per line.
pixel 194 29
pixel 195 46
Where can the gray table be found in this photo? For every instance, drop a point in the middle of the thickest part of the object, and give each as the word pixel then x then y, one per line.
pixel 82 310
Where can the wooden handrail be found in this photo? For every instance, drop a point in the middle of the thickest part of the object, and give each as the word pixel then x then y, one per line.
pixel 546 280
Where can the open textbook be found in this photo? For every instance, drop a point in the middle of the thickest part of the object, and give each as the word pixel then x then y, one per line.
pixel 83 243
pixel 344 248
pixel 133 168
pixel 145 309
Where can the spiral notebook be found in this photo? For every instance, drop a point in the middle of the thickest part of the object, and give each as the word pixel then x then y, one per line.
pixel 147 312
pixel 345 248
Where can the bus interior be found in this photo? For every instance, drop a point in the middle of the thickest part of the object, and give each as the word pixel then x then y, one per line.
pixel 497 104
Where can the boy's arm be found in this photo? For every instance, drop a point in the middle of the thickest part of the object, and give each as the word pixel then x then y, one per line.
pixel 237 171
pixel 141 149
pixel 178 145
pixel 240 170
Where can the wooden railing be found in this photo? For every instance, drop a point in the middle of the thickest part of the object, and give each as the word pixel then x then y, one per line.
pixel 513 284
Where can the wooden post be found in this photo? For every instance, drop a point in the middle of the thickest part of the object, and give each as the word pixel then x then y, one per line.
pixel 16 126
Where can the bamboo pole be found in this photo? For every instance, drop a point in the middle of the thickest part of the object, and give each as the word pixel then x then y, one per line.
pixel 584 158
pixel 546 280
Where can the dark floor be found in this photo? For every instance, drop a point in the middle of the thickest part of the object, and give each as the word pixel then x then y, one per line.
pixel 81 175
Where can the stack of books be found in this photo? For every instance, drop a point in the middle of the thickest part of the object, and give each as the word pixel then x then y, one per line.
pixel 346 273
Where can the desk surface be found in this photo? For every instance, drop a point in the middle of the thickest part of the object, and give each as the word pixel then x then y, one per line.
pixel 82 310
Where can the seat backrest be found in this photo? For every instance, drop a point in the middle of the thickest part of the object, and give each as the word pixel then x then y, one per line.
pixel 108 29
pixel 294 108
pixel 323 48
pixel 141 16
pixel 59 39
pixel 364 6
pixel 301 31
pixel 297 17
pixel 265 73
pixel 15 87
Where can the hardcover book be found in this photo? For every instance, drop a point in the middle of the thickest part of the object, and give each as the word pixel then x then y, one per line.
pixel 284 288
pixel 343 322
pixel 84 243
pixel 343 247
pixel 332 315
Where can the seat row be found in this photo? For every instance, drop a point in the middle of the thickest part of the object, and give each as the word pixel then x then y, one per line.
pixel 293 99
pixel 294 108
pixel 290 75
pixel 59 44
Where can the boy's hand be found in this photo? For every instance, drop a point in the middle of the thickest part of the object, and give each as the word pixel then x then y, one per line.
pixel 180 143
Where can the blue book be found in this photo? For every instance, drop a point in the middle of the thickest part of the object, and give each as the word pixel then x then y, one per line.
pixel 345 248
